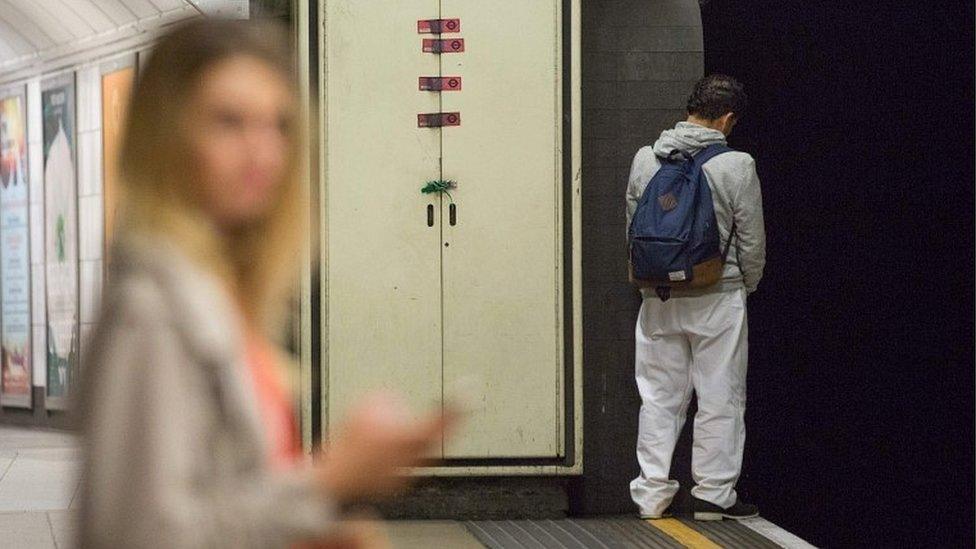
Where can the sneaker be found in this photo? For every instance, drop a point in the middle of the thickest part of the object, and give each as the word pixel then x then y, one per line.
pixel 709 511
pixel 667 513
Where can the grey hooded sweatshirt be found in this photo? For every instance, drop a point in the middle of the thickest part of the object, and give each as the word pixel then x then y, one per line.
pixel 735 192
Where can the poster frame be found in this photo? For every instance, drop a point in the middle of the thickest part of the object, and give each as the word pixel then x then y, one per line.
pixel 106 68
pixel 7 400
pixel 60 403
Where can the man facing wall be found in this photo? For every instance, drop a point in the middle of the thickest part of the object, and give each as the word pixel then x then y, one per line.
pixel 697 340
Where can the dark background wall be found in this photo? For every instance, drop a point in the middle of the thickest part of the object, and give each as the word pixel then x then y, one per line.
pixel 860 422
pixel 861 380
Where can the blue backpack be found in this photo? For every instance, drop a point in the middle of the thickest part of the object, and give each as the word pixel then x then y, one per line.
pixel 673 235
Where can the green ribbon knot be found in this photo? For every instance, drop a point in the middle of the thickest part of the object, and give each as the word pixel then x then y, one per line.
pixel 439 186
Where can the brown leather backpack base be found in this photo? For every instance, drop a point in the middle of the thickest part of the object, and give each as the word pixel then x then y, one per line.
pixel 704 274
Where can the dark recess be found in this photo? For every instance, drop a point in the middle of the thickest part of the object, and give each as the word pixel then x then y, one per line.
pixel 861 378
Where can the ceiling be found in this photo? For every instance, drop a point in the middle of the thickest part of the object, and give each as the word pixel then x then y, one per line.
pixel 36 33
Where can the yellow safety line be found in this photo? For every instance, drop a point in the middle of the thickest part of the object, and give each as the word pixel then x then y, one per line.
pixel 683 534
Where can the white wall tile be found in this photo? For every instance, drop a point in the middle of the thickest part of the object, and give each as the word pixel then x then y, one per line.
pixel 89 103
pixel 90 227
pixel 96 166
pixel 91 285
pixel 36 176
pixel 38 296
pixel 34 118
pixel 233 9
pixel 37 233
pixel 35 155
pixel 95 108
pixel 86 157
pixel 82 100
pixel 39 345
pixel 35 141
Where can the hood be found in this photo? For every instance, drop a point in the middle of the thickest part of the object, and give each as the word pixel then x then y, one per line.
pixel 687 137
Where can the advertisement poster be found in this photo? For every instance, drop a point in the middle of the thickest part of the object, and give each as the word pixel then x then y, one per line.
pixel 15 367
pixel 60 236
pixel 116 87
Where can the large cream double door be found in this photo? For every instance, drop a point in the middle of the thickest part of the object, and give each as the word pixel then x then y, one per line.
pixel 421 296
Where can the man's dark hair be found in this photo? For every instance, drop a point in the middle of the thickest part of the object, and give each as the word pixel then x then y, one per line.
pixel 716 95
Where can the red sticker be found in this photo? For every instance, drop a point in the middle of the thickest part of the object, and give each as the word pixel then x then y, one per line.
pixel 438 26
pixel 438 119
pixel 440 83
pixel 453 45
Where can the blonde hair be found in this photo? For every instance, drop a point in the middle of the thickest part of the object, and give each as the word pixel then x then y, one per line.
pixel 258 263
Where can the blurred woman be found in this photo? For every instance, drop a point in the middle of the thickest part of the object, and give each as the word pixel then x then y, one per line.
pixel 190 437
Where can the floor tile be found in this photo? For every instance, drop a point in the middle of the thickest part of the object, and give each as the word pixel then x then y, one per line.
pixel 26 531
pixel 423 534
pixel 18 438
pixel 39 480
pixel 64 528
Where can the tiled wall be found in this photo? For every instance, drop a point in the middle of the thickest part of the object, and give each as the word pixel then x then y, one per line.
pixel 35 152
pixel 90 217
pixel 640 59
pixel 88 140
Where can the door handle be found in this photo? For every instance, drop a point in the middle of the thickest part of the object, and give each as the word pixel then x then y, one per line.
pixel 453 214
pixel 430 215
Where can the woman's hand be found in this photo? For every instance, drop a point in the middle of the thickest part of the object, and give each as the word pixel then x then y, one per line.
pixel 367 457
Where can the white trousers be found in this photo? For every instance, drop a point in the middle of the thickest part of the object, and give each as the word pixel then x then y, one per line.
pixel 685 344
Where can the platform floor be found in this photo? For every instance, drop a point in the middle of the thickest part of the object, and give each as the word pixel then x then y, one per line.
pixel 39 484
pixel 632 533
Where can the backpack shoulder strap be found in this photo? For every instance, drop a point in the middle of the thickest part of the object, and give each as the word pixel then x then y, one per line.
pixel 703 156
pixel 709 153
